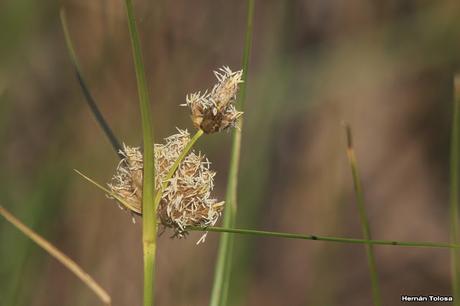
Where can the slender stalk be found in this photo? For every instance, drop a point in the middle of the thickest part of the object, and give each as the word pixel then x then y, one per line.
pixel 149 220
pixel 454 181
pixel 225 254
pixel 299 236
pixel 176 164
pixel 363 217
pixel 420 244
pixel 91 102
pixel 61 257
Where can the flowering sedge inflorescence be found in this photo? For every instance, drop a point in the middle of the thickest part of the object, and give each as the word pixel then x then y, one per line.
pixel 186 200
pixel 215 111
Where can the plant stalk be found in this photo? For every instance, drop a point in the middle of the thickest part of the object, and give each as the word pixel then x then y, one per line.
pixel 61 257
pixel 225 253
pixel 149 213
pixel 454 196
pixel 421 244
pixel 363 218
pixel 297 236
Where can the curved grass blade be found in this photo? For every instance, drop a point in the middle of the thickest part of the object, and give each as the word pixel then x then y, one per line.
pixel 61 257
pixel 90 101
pixel 363 217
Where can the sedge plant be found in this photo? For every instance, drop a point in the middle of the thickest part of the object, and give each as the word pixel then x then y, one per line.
pixel 147 183
pixel 151 183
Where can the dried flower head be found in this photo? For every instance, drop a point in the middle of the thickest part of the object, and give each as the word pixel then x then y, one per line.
pixel 186 201
pixel 215 111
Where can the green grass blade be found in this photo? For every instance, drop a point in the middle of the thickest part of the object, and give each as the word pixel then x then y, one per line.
pixel 454 181
pixel 294 235
pixel 422 244
pixel 363 218
pixel 224 258
pixel 91 102
pixel 149 213
pixel 414 244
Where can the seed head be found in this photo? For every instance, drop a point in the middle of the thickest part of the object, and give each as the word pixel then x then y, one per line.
pixel 215 111
pixel 186 201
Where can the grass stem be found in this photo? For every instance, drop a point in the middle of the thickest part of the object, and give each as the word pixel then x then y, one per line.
pixel 363 218
pixel 454 181
pixel 149 213
pixel 225 253
pixel 61 257
pixel 421 244
pixel 297 236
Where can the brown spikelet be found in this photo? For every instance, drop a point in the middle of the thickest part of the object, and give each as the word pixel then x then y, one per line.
pixel 215 111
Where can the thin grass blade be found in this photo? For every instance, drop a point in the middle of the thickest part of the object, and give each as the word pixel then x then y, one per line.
pixel 454 192
pixel 259 233
pixel 225 254
pixel 363 218
pixel 256 233
pixel 61 257
pixel 91 102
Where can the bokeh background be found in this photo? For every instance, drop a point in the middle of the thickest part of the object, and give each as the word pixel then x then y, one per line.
pixel 386 67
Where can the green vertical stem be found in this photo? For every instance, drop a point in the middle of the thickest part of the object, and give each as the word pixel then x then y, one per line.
pixel 363 218
pixel 224 258
pixel 86 91
pixel 149 215
pixel 454 176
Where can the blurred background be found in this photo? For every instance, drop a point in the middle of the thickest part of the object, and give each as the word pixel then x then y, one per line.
pixel 386 67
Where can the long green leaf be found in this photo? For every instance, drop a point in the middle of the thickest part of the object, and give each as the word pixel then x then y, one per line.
pixel 225 254
pixel 149 213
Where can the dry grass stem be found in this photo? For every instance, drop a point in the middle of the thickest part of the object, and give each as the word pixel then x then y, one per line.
pixel 61 257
